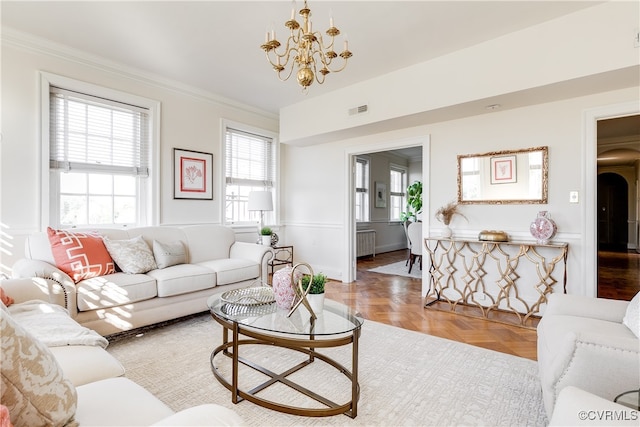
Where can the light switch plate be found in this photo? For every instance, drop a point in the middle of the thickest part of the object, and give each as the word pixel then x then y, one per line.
pixel 573 197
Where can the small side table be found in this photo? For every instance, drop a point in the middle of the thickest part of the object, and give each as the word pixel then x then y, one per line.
pixel 283 255
pixel 630 399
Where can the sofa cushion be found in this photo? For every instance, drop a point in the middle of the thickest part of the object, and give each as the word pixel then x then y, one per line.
pixel 208 414
pixel 182 278
pixel 114 290
pixel 232 270
pixel 632 316
pixel 207 242
pixel 133 256
pixel 83 364
pixel 80 255
pixel 118 402
pixel 557 327
pixel 34 388
pixel 168 254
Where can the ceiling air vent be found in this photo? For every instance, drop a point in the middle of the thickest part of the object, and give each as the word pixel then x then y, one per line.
pixel 358 110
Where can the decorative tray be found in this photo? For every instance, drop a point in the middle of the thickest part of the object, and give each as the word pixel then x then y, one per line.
pixel 249 296
pixel 493 236
pixel 239 311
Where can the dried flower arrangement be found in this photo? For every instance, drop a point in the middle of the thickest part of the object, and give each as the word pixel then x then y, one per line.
pixel 445 213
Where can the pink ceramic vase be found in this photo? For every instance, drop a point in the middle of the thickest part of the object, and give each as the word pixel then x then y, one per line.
pixel 283 287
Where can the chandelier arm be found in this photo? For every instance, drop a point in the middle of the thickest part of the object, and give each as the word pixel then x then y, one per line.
pixel 290 66
pixel 306 50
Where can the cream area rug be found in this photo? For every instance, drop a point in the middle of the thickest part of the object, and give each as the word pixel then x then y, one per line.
pixel 406 378
pixel 399 269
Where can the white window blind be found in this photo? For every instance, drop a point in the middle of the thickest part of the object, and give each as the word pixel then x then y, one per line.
pixel 249 159
pixel 250 165
pixel 97 135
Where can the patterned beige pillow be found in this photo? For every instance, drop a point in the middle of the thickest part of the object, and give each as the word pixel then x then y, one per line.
pixel 33 386
pixel 168 254
pixel 133 256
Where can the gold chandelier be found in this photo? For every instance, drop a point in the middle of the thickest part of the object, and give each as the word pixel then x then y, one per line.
pixel 306 49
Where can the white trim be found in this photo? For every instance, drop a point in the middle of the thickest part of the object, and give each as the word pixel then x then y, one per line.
pixel 349 265
pixel 151 211
pixel 590 182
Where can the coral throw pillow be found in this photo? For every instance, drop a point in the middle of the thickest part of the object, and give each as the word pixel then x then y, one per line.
pixel 7 301
pixel 80 255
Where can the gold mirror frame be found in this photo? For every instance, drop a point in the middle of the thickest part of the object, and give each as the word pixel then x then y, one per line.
pixel 508 158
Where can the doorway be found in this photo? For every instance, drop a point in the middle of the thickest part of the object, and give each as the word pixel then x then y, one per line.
pixel 419 143
pixel 618 207
pixel 613 208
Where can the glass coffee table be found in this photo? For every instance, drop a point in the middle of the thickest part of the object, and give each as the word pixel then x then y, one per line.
pixel 266 325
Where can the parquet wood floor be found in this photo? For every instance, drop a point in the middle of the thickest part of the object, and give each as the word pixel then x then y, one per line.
pixel 618 274
pixel 397 301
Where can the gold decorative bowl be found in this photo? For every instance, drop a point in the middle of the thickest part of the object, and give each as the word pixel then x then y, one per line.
pixel 493 236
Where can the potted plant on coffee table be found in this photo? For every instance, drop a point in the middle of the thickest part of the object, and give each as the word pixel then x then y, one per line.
pixel 265 232
pixel 316 292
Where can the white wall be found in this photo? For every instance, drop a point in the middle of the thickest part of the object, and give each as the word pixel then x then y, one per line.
pixel 190 120
pixel 589 51
pixel 552 80
pixel 316 206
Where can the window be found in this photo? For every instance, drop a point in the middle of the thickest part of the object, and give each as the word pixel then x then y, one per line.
pixel 471 182
pixel 250 165
pixel 397 187
pixel 362 189
pixel 99 160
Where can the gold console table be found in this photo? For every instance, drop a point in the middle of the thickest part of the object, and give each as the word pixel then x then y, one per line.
pixel 502 281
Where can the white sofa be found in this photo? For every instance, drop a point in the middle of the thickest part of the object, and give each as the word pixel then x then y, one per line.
pixel 214 262
pixel 77 384
pixel 576 407
pixel 588 343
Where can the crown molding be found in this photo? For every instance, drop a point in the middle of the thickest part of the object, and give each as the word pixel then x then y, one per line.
pixel 29 42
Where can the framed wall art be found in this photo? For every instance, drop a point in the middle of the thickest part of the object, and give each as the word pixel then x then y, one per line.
pixel 192 175
pixel 503 169
pixel 381 195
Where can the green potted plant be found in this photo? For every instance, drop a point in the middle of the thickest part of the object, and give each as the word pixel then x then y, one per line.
pixel 266 232
pixel 414 202
pixel 316 291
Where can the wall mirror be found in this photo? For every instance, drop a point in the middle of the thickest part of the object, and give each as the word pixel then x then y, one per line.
pixel 504 177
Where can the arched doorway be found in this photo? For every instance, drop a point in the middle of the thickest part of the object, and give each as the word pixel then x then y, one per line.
pixel 613 208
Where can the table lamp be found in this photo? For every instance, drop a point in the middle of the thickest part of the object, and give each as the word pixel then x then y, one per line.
pixel 260 201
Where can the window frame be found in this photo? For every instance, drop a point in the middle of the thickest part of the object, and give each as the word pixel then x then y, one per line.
pixel 149 194
pixel 366 209
pixel 271 218
pixel 403 194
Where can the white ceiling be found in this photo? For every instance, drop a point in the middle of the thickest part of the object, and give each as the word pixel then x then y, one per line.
pixel 214 46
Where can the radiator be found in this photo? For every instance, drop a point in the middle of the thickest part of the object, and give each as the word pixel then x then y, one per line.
pixel 366 242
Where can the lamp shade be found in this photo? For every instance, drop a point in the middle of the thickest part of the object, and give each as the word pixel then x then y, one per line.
pixel 260 201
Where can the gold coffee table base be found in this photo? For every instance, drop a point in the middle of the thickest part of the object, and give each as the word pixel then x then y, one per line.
pixel 306 346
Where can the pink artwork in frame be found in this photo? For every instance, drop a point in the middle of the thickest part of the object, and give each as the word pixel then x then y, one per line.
pixel 193 175
pixel 503 170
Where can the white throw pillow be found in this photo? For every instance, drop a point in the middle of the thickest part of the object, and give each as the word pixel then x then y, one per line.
pixel 632 317
pixel 133 256
pixel 168 254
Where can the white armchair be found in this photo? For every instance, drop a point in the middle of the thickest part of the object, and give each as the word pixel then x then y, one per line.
pixel 583 342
